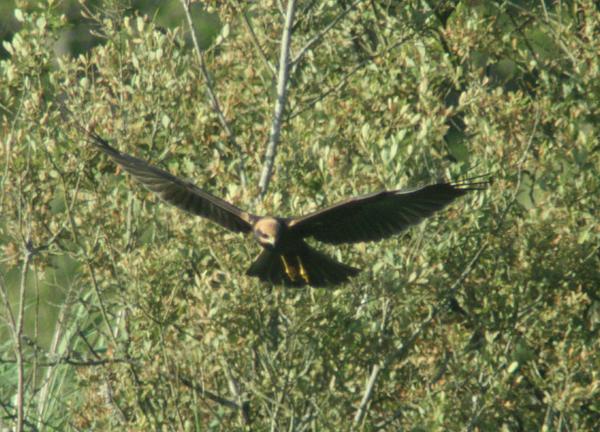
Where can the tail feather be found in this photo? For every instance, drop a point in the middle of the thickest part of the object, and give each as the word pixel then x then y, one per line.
pixel 306 266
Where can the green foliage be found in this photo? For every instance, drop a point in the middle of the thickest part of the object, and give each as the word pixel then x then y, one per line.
pixel 137 316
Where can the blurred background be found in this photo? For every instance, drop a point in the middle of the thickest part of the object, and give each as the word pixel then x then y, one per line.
pixel 118 312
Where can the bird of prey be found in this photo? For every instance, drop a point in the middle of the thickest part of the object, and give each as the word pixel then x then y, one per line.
pixel 286 259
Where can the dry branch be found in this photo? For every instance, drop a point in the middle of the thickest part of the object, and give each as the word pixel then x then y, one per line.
pixel 282 82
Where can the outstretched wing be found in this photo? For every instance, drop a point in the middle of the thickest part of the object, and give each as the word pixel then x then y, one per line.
pixel 178 192
pixel 380 214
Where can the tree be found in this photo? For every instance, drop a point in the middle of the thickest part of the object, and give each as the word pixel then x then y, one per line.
pixel 124 313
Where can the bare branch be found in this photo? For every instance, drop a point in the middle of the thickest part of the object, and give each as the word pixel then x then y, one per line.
pixel 319 36
pixel 282 81
pixel 362 409
pixel 19 336
pixel 100 298
pixel 214 101
pixel 68 360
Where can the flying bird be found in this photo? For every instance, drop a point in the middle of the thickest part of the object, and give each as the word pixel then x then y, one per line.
pixel 286 259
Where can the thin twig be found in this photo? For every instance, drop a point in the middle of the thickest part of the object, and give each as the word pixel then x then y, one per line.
pixel 406 346
pixel 209 395
pixel 100 298
pixel 362 409
pixel 263 56
pixel 282 82
pixel 9 313
pixel 501 220
pixel 19 336
pixel 7 150
pixel 520 163
pixel 280 7
pixel 71 294
pixel 214 101
pixel 8 415
pixel 92 272
pixel 234 388
pixel 342 82
pixel 442 305
pixel 68 360
pixel 13 327
pixel 319 36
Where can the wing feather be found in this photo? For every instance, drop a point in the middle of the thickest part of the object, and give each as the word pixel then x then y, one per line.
pixel 178 192
pixel 381 214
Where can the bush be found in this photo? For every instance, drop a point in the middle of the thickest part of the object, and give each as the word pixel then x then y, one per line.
pixel 121 313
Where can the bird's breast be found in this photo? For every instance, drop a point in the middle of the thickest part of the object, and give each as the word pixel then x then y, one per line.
pixel 287 241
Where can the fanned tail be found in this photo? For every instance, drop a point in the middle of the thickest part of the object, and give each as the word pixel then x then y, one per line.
pixel 305 266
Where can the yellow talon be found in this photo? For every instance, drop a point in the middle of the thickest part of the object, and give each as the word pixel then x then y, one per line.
pixel 290 271
pixel 303 272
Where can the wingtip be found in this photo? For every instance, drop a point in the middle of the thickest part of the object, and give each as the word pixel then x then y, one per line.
pixel 480 182
pixel 92 136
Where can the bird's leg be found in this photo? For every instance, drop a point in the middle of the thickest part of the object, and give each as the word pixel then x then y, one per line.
pixel 303 273
pixel 289 270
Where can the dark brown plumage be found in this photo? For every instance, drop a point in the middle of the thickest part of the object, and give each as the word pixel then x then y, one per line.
pixel 286 258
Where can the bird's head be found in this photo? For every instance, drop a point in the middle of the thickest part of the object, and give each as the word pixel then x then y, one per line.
pixel 267 232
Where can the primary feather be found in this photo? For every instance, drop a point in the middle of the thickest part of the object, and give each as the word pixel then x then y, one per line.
pixel 180 193
pixel 379 215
